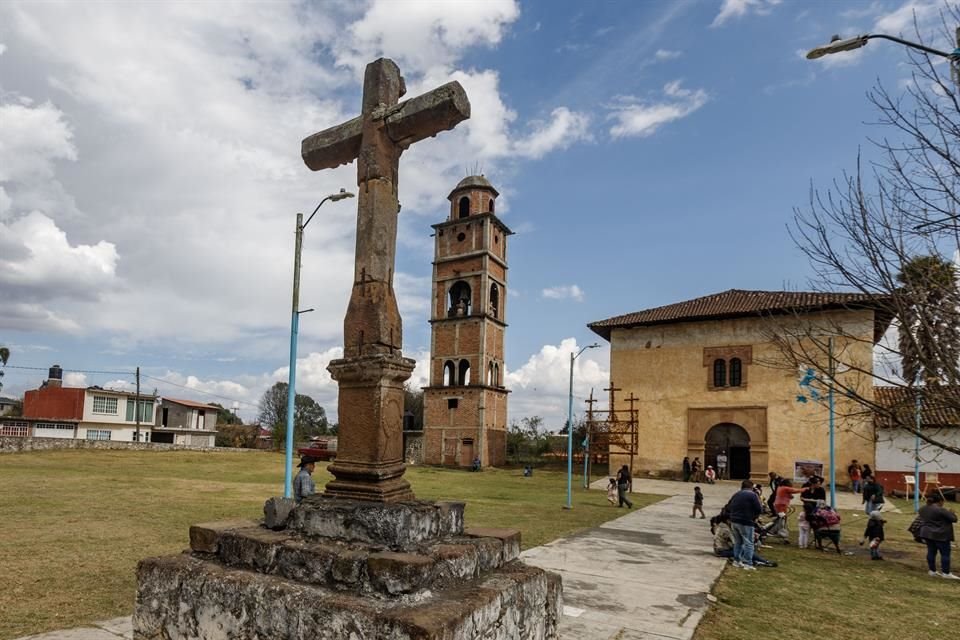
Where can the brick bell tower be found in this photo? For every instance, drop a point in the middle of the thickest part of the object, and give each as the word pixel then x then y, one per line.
pixel 465 406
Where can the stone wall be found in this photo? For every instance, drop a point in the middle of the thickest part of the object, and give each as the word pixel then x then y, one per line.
pixel 11 444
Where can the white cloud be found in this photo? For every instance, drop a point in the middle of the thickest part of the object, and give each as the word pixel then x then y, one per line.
pixel 667 54
pixel 75 379
pixel 739 8
pixel 31 140
pixel 38 262
pixel 425 33
pixel 635 117
pixel 565 128
pixel 541 385
pixel 901 19
pixel 563 292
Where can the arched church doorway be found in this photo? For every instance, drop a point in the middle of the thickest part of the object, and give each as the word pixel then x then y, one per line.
pixel 733 440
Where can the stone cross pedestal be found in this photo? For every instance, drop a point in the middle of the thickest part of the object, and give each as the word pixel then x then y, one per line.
pixel 364 559
pixel 369 464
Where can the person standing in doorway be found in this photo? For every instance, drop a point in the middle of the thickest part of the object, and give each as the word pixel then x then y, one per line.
pixel 937 532
pixel 697 503
pixel 722 465
pixel 695 468
pixel 624 484
pixel 686 469
pixel 744 508
pixel 853 471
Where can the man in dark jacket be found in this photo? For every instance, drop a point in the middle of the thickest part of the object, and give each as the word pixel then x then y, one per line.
pixel 744 508
pixel 937 532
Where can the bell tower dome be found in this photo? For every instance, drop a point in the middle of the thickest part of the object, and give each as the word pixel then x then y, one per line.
pixel 465 404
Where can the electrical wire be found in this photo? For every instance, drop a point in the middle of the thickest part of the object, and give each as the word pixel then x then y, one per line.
pixel 142 376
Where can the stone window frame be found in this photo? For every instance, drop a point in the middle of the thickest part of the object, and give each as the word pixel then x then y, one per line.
pixel 744 353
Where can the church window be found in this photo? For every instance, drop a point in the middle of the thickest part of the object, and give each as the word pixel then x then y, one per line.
pixel 461 237
pixel 490 379
pixel 491 205
pixel 727 366
pixel 449 373
pixel 452 403
pixel 719 372
pixel 496 375
pixel 464 207
pixel 736 372
pixel 464 373
pixel 460 299
pixel 494 300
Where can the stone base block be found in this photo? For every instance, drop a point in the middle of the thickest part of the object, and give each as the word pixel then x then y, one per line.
pixel 397 525
pixel 188 597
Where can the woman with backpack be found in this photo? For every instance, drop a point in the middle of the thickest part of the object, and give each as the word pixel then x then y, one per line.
pixel 936 531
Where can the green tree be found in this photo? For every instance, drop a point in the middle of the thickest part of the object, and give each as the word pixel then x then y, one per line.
pixel 413 402
pixel 309 418
pixel 929 322
pixel 4 356
pixel 225 416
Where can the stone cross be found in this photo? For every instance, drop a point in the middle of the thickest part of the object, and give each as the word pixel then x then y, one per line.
pixel 369 462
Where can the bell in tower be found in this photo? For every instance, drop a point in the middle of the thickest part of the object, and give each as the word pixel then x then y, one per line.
pixel 465 404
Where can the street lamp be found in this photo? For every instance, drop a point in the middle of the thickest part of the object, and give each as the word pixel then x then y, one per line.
pixel 570 427
pixel 836 45
pixel 294 329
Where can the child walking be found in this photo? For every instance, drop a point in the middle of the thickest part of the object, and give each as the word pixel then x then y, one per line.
pixel 874 533
pixel 803 540
pixel 697 503
pixel 612 491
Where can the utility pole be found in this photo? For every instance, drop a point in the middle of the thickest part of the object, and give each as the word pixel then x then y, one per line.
pixel 136 408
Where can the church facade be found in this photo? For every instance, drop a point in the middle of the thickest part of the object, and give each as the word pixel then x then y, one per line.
pixel 712 380
pixel 465 403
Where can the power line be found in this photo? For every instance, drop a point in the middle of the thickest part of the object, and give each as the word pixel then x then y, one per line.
pixel 111 373
pixel 206 393
pixel 142 375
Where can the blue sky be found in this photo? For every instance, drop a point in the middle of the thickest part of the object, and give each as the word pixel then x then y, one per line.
pixel 646 153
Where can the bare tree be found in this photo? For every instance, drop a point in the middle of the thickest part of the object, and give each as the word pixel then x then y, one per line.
pixel 890 231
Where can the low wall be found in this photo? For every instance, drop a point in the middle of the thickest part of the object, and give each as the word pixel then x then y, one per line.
pixel 13 444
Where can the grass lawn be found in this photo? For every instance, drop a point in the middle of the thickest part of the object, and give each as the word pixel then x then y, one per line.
pixel 823 595
pixel 74 524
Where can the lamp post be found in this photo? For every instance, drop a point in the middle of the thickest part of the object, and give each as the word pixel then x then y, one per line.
pixel 573 357
pixel 294 330
pixel 918 402
pixel 832 370
pixel 836 45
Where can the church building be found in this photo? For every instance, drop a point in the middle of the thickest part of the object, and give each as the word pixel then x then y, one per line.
pixel 465 404
pixel 711 379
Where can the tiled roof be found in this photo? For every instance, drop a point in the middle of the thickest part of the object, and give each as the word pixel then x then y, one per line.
pixel 736 303
pixel 938 407
pixel 190 403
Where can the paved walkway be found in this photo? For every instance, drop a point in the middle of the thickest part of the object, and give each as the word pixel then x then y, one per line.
pixel 643 576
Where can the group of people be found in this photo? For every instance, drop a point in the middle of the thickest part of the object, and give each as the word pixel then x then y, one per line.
pixel 694 471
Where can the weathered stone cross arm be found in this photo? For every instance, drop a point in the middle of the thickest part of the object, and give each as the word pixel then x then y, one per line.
pixel 406 123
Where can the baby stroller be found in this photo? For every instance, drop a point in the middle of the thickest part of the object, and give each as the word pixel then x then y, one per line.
pixel 776 527
pixel 825 523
